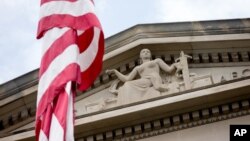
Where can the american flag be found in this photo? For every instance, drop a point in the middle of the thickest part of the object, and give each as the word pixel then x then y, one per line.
pixel 72 53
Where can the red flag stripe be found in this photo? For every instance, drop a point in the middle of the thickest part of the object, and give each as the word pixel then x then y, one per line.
pixel 81 23
pixel 59 110
pixel 84 40
pixel 47 120
pixel 45 1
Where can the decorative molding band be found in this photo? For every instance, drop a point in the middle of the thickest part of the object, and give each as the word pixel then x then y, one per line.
pixel 174 123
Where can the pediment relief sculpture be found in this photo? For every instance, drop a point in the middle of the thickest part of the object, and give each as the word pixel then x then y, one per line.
pixel 153 78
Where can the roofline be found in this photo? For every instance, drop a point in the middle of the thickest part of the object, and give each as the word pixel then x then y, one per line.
pixel 177 29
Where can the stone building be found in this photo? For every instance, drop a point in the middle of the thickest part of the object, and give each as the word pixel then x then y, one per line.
pixel 207 90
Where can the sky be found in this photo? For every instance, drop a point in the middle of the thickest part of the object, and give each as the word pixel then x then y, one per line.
pixel 20 52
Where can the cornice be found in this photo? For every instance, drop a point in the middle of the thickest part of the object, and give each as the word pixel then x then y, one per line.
pixel 160 126
pixel 196 28
pixel 18 84
pixel 174 123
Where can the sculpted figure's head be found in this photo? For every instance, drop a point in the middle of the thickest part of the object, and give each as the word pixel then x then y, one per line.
pixel 145 54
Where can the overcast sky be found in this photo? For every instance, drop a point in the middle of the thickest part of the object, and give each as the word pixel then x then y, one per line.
pixel 20 51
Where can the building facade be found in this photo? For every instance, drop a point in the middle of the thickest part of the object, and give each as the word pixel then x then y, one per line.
pixel 194 85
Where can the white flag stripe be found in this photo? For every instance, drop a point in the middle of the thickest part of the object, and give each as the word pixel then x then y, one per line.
pixel 42 136
pixel 80 32
pixel 56 67
pixel 69 120
pixel 50 37
pixel 56 130
pixel 77 8
pixel 68 88
pixel 88 56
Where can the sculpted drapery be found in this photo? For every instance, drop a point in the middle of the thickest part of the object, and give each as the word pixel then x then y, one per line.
pixel 150 81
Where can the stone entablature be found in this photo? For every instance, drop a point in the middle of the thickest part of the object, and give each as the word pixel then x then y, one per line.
pixel 227 93
pixel 22 113
pixel 174 123
pixel 157 108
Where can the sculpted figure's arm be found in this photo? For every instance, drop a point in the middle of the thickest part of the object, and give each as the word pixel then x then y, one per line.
pixel 122 77
pixel 164 66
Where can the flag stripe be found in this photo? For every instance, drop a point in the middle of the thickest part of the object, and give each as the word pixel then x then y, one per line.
pixel 42 136
pixel 66 75
pixel 90 74
pixel 70 119
pixel 77 8
pixel 83 22
pixel 59 108
pixel 56 130
pixel 45 1
pixel 57 66
pixel 88 56
pixel 84 39
pixel 51 36
pixel 56 49
pixel 47 120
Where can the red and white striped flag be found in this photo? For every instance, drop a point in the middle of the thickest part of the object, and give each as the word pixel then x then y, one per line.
pixel 72 53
